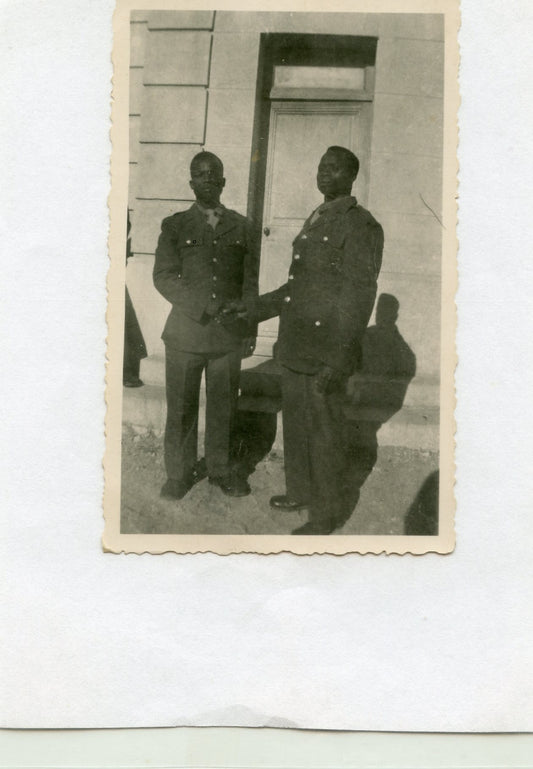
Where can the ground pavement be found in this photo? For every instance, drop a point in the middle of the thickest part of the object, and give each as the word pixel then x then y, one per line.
pixel 398 497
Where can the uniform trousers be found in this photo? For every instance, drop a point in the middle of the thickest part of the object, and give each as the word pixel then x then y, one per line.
pixel 314 446
pixel 183 378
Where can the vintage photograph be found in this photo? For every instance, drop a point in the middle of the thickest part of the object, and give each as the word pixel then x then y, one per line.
pixel 281 315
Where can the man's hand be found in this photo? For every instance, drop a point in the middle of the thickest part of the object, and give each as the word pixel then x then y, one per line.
pixel 328 379
pixel 248 347
pixel 231 311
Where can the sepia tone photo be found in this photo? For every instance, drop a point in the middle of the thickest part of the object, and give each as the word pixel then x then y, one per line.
pixel 281 315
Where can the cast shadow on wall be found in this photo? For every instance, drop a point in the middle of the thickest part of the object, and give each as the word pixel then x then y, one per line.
pixel 375 393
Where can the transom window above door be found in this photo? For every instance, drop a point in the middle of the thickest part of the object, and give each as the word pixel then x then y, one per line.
pixel 311 82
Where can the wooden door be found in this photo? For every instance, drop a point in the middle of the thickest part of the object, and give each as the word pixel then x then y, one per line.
pixel 300 132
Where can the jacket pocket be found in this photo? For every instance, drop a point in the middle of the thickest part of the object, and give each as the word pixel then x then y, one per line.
pixel 188 242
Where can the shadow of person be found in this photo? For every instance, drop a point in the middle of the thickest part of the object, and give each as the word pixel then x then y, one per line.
pixel 374 394
pixel 255 425
pixel 423 516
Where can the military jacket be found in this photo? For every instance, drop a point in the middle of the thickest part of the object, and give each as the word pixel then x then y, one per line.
pixel 197 269
pixel 326 303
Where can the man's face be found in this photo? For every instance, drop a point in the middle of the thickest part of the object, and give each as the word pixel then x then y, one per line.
pixel 334 177
pixel 207 181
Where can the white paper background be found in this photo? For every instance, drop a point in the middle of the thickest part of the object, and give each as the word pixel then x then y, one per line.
pixel 395 643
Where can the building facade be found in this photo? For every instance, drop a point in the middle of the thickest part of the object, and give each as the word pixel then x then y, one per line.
pixel 268 92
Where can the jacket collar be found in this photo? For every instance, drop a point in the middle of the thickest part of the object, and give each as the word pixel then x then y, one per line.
pixel 226 222
pixel 340 206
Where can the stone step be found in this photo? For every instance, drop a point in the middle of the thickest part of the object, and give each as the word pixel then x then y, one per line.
pixel 423 391
pixel 414 427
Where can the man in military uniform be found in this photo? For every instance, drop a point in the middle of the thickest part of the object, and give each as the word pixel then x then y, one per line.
pixel 205 257
pixel 324 309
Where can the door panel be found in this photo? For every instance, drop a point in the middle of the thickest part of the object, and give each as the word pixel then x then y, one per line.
pixel 299 134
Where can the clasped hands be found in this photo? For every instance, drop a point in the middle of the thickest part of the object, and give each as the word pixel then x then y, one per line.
pixel 327 379
pixel 232 310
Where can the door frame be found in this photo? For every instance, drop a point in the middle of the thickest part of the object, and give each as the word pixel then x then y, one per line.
pixel 297 50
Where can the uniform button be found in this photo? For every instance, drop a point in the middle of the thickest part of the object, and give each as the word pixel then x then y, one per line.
pixel 291 277
pixel 215 242
pixel 214 277
pixel 179 275
pixel 287 299
pixel 296 256
pixel 304 237
pixel 317 323
pixel 325 237
pixel 214 259
pixel 213 296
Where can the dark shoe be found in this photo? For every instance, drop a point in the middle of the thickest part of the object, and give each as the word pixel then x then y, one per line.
pixel 232 486
pixel 282 502
pixel 132 381
pixel 173 489
pixel 199 471
pixel 315 528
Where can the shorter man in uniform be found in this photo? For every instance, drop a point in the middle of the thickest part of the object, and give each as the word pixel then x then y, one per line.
pixel 324 309
pixel 205 257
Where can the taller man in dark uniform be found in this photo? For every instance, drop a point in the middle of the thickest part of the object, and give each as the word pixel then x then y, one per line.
pixel 324 309
pixel 205 257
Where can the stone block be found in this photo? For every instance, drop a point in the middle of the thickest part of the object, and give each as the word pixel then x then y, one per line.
pixel 164 171
pixel 406 184
pixel 234 61
pixel 150 307
pixel 135 127
pixel 132 184
pixel 419 316
pixel 236 161
pixel 144 409
pixel 138 32
pixel 136 90
pixel 413 243
pixel 298 22
pixel 407 124
pixel 173 114
pixel 410 67
pixel 177 58
pixel 230 117
pixel 412 26
pixel 146 222
pixel 138 15
pixel 179 19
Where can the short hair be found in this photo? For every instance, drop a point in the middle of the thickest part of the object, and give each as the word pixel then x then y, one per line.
pixel 351 160
pixel 204 155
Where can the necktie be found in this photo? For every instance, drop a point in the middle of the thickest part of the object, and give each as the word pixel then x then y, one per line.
pixel 212 216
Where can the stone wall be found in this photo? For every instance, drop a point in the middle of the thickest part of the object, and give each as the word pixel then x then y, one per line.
pixel 193 80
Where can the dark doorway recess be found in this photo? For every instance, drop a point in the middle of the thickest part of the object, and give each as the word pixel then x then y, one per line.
pixel 294 50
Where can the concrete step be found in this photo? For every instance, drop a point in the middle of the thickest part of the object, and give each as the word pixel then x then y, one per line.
pixel 153 368
pixel 414 427
pixel 423 391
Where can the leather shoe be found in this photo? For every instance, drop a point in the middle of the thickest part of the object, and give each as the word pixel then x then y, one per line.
pixel 232 486
pixel 199 471
pixel 315 528
pixel 282 502
pixel 174 489
pixel 132 381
